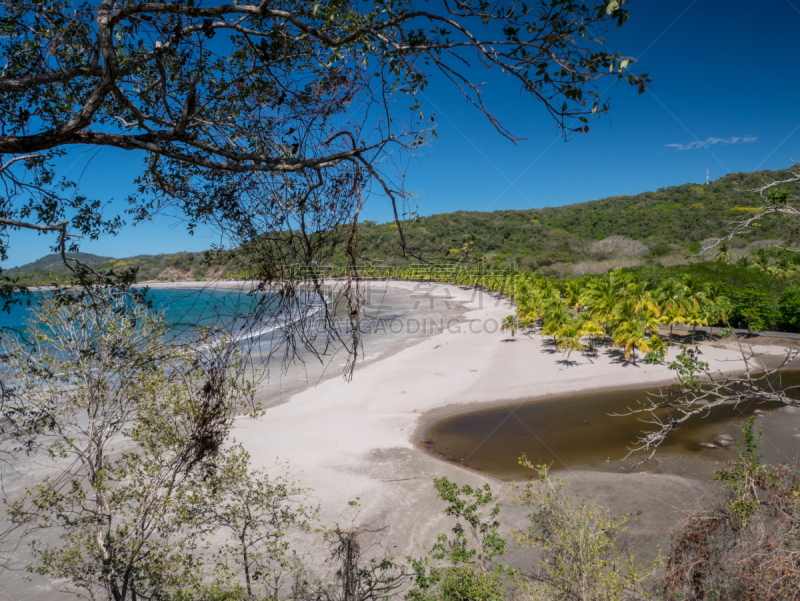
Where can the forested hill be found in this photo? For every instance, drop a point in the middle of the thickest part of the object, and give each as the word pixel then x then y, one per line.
pixel 666 222
pixel 664 226
pixel 169 267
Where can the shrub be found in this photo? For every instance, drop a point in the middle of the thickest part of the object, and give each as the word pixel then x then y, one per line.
pixel 581 555
pixel 789 310
pixel 618 245
pixel 746 547
pixel 462 567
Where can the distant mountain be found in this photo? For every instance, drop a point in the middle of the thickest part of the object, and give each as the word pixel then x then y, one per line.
pixel 176 266
pixel 53 262
pixel 664 226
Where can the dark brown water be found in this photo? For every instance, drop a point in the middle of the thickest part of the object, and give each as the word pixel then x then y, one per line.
pixel 575 432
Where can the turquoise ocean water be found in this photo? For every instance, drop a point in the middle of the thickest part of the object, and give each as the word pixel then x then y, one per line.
pixel 185 310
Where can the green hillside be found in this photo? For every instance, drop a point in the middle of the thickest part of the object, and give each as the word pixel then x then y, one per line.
pixel 176 266
pixel 666 222
pixel 661 227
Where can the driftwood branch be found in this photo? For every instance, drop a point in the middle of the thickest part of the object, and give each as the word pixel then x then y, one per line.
pixel 698 396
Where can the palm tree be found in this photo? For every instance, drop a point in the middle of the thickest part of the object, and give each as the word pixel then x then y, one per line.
pixel 761 258
pixel 572 294
pixel 633 334
pixel 724 255
pixel 569 338
pixel 782 268
pixel 593 331
pixel 694 319
pixel 603 295
pixel 718 306
pixel 510 323
pixel 673 298
pixel 695 291
pixel 554 318
pixel 642 298
pixel 673 318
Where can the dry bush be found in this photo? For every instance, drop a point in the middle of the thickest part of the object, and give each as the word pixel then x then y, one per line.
pixel 711 250
pixel 598 267
pixel 618 246
pixel 740 252
pixel 676 259
pixel 748 546
pixel 762 244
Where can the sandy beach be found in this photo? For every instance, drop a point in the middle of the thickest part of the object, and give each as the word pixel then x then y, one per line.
pixel 432 351
pixel 360 439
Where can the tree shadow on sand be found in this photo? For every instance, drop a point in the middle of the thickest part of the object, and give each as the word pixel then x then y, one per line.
pixel 549 346
pixel 618 357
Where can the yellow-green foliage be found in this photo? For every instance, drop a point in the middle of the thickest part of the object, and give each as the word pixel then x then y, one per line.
pixel 581 558
pixel 578 313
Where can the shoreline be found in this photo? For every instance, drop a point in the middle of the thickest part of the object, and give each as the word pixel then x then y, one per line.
pixel 362 439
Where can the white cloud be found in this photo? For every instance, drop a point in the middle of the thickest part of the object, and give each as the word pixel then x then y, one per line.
pixel 712 142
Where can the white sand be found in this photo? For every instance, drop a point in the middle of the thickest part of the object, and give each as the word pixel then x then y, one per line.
pixel 357 439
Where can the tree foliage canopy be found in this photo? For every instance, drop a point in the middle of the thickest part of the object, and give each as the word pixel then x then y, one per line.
pixel 258 115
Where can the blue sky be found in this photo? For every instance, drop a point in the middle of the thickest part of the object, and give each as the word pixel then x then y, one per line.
pixel 725 95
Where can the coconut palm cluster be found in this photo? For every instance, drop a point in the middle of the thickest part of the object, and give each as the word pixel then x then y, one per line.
pixel 776 261
pixel 617 309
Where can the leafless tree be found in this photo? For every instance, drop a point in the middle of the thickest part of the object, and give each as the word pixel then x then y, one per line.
pixel 700 391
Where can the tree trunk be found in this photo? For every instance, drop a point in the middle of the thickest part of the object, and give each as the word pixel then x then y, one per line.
pixel 246 563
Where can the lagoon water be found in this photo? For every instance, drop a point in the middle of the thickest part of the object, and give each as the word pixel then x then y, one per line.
pixel 577 431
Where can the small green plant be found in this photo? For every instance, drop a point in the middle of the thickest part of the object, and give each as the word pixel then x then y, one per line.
pixel 751 439
pixel 461 567
pixel 581 555
pixel 779 195
pixel 689 367
pixel 745 474
pixel 658 350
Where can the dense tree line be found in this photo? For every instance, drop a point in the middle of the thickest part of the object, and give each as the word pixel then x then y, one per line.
pixel 673 220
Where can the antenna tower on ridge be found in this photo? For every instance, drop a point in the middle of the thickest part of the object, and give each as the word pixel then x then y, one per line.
pixel 707 182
